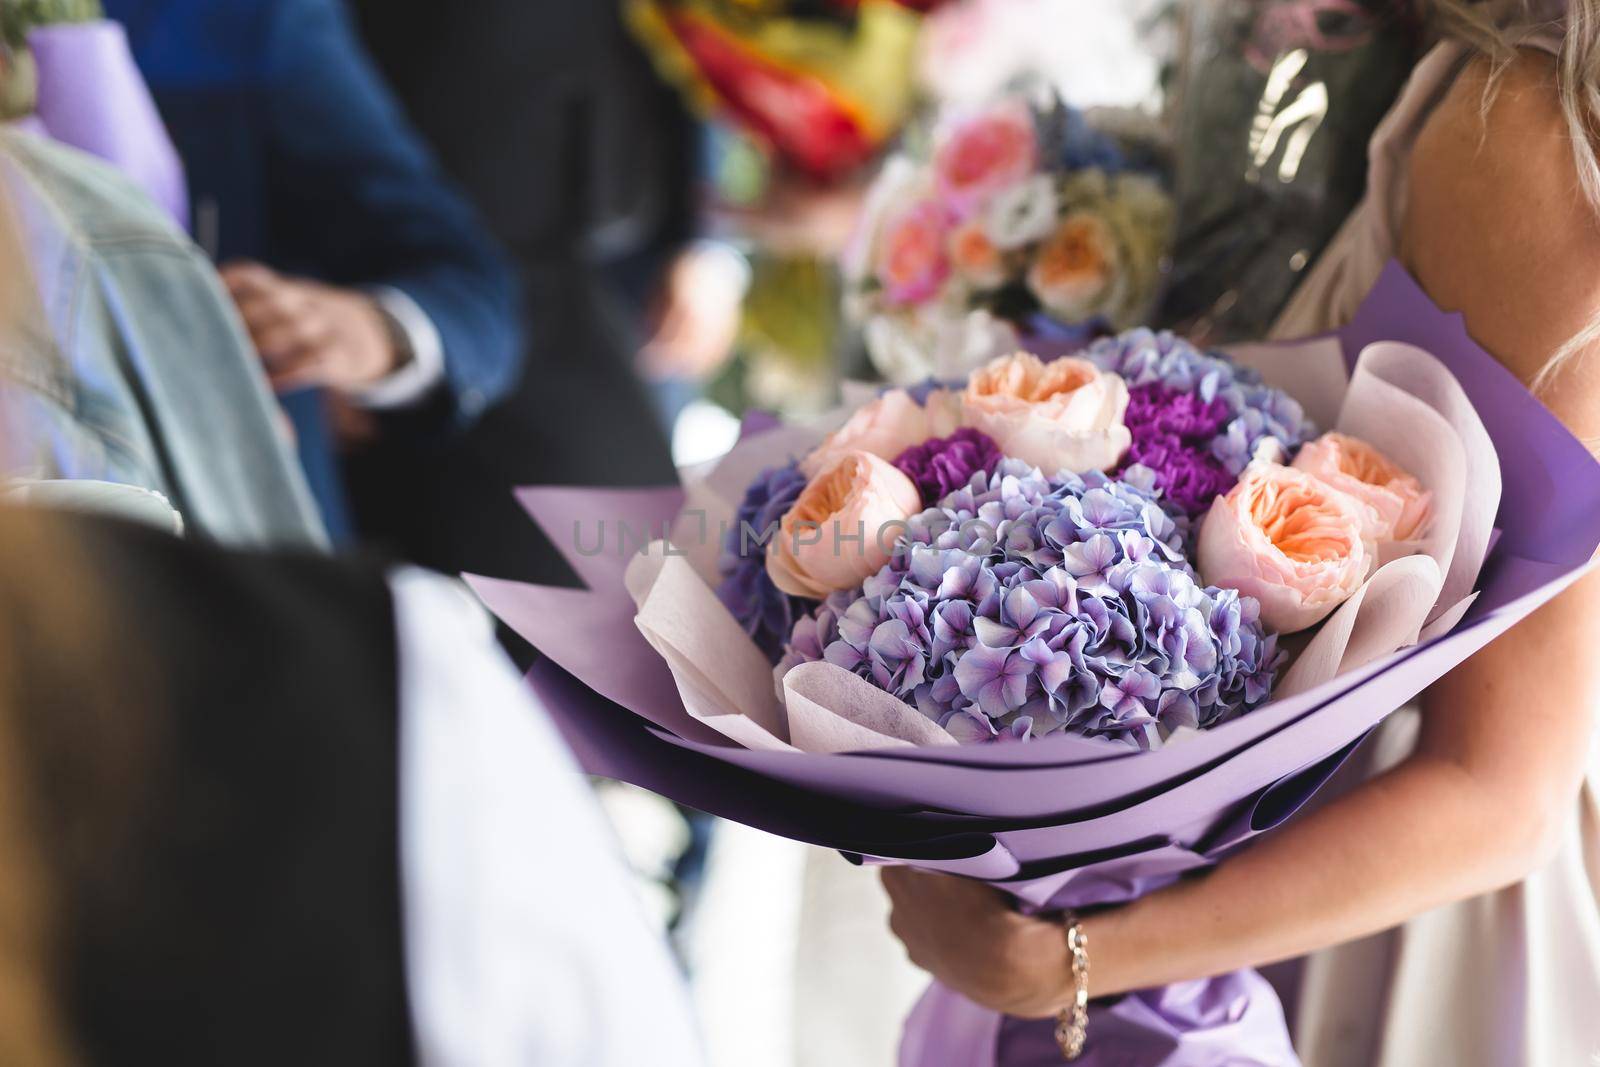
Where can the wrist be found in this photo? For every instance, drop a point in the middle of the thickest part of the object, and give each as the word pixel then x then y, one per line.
pixel 398 352
pixel 1105 932
pixel 1040 967
pixel 1072 1021
pixel 417 366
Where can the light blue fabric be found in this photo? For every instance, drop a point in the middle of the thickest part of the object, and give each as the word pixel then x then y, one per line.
pixel 142 373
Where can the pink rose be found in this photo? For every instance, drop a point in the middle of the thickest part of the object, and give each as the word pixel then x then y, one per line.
pixel 1399 504
pixel 886 427
pixel 1288 539
pixel 984 154
pixel 1064 415
pixel 975 257
pixel 911 263
pixel 843 527
pixel 1074 270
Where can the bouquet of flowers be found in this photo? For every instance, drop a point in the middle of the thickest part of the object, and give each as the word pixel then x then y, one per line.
pixel 822 84
pixel 1022 213
pixel 1075 625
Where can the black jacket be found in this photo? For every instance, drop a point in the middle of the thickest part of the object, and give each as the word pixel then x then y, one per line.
pixel 549 116
pixel 214 784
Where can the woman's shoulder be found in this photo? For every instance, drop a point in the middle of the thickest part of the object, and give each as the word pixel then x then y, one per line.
pixel 1497 223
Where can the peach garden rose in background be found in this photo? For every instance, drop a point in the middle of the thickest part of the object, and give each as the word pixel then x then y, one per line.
pixel 1076 266
pixel 974 255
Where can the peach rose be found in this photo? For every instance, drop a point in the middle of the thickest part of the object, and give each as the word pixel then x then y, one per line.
pixel 1064 415
pixel 984 154
pixel 886 426
pixel 1075 269
pixel 1399 504
pixel 911 261
pixel 1288 539
pixel 843 527
pixel 975 257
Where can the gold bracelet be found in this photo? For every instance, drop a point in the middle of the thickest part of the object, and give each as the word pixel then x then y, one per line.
pixel 1072 1022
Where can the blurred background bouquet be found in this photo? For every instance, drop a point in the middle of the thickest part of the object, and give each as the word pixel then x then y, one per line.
pixel 820 83
pixel 1019 215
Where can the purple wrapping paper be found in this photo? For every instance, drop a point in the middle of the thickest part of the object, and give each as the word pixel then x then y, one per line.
pixel 92 98
pixel 1063 822
pixel 1233 1021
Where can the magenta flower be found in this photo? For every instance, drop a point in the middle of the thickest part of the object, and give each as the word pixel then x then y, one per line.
pixel 945 464
pixel 1172 434
pixel 1196 417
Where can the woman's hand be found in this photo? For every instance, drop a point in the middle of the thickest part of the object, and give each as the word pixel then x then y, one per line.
pixel 969 937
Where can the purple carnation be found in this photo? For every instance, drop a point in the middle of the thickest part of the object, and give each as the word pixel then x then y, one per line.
pixel 1023 605
pixel 766 612
pixel 1172 436
pixel 945 464
pixel 1254 411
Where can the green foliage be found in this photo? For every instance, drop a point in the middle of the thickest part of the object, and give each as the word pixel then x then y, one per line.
pixel 17 17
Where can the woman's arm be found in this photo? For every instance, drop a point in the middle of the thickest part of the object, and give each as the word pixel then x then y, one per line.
pixel 1496 228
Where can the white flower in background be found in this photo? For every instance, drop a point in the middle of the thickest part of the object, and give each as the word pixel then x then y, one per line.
pixel 935 342
pixel 1022 214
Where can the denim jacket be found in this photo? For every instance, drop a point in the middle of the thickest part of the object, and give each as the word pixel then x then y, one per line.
pixel 141 372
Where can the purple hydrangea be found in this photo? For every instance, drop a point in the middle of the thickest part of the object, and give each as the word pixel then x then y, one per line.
pixel 767 612
pixel 1024 605
pixel 943 465
pixel 1254 411
pixel 1172 436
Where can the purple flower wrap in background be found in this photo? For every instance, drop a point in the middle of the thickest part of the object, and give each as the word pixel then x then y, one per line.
pixel 93 98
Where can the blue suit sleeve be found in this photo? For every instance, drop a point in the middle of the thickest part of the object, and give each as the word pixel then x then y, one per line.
pixel 364 188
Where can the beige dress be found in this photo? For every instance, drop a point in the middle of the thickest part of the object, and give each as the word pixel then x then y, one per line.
pixel 1510 979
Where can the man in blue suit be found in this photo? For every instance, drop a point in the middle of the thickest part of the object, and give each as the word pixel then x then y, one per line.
pixel 379 306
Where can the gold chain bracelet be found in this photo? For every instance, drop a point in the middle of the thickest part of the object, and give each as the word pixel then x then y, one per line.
pixel 1072 1022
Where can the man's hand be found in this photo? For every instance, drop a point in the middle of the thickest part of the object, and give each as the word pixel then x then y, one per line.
pixel 310 334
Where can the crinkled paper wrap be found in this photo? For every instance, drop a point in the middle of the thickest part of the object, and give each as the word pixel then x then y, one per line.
pixel 1066 820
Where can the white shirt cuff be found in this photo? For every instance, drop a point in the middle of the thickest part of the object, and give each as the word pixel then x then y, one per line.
pixel 424 370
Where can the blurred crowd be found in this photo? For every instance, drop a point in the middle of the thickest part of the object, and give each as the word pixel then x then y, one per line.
pixel 319 284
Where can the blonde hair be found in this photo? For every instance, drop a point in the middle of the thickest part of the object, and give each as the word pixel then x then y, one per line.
pixel 43 596
pixel 1497 29
pixel 31 1030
